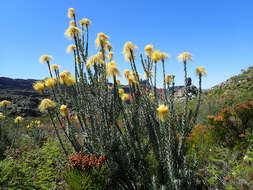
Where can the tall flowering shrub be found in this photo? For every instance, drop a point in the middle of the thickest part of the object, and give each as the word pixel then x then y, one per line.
pixel 126 128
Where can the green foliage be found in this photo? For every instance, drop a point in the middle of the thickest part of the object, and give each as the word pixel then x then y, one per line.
pixel 28 167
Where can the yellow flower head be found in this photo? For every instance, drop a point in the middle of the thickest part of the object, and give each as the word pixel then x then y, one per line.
pixel 184 56
pixel 69 80
pixel 46 104
pixel 98 59
pixel 118 82
pixel 64 110
pixel 126 73
pixel 64 74
pixel 70 48
pixel 149 49
pixel 169 78
pixel 1 116
pixel 121 91
pixel 129 48
pixel 54 67
pixel 110 56
pixel 18 119
pixel 163 112
pixel 112 70
pixel 4 103
pixel 71 13
pixel 124 97
pixel 50 83
pixel 164 56
pixel 101 40
pixel 151 96
pixel 200 70
pixel 132 79
pixel 45 58
pixel 156 55
pixel 108 46
pixel 72 31
pixel 38 86
pixel 85 22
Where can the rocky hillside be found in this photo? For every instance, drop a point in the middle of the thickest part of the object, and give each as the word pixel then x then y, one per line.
pixel 20 92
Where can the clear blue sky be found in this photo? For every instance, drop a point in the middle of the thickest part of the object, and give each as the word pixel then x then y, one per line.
pixel 218 33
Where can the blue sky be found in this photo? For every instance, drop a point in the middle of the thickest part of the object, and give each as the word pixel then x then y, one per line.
pixel 218 33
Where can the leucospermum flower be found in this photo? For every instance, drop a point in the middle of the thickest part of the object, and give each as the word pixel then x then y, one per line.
pixel 45 58
pixel 169 78
pixel 70 48
pixel 38 86
pixel 85 22
pixel 124 97
pixel 200 71
pixel 64 110
pixel 1 116
pixel 129 48
pixel 54 67
pixel 163 112
pixel 110 56
pixel 121 91
pixel 101 40
pixel 184 56
pixel 71 13
pixel 127 73
pixel 156 55
pixel 4 103
pixel 72 23
pixel 132 79
pixel 164 56
pixel 69 80
pixel 112 70
pixel 118 82
pixel 108 46
pixel 18 119
pixel 72 31
pixel 50 83
pixel 46 104
pixel 149 49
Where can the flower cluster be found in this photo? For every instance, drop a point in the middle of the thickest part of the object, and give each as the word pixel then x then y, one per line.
pixel 86 162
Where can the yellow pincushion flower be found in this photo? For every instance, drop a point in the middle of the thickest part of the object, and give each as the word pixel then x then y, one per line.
pixel 132 79
pixel 118 82
pixel 110 56
pixel 4 103
pixel 64 110
pixel 112 70
pixel 124 97
pixel 54 67
pixel 38 86
pixel 156 55
pixel 1 116
pixel 69 80
pixel 101 40
pixel 46 104
pixel 149 49
pixel 72 31
pixel 45 58
pixel 151 96
pixel 200 70
pixel 128 48
pixel 163 112
pixel 121 91
pixel 70 48
pixel 169 78
pixel 127 73
pixel 50 83
pixel 108 47
pixel 18 119
pixel 64 74
pixel 85 22
pixel 71 13
pixel 164 56
pixel 184 56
